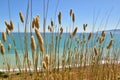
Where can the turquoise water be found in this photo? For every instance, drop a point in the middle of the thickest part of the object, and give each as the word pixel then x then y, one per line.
pixel 19 40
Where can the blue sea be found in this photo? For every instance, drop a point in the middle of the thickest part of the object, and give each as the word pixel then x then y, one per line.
pixel 19 40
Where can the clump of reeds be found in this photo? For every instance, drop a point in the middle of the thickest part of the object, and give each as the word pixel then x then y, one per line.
pixel 21 17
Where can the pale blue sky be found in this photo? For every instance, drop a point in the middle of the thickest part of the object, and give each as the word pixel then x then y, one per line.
pixel 84 11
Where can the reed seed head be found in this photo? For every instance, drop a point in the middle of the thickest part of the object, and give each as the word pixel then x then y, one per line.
pixel 93 61
pixel 89 36
pixel 8 25
pixel 33 44
pixel 73 17
pixel 84 26
pixel 39 37
pixel 7 31
pixel 101 39
pixel 21 17
pixel 103 34
pixel 33 22
pixel 40 40
pixel 70 12
pixel 52 23
pixel 11 25
pixel 75 31
pixel 110 44
pixel 61 31
pixel 97 39
pixel 70 36
pixel 9 47
pixel 59 17
pixel 2 49
pixel 47 60
pixel 56 37
pixel 50 28
pixel 4 36
pixel 42 48
pixel 95 51
pixel 37 21
pixel 111 34
pixel 44 65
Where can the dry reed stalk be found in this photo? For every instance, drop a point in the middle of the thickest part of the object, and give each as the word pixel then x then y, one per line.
pixel 33 47
pixel 11 25
pixel 2 49
pixel 59 17
pixel 70 12
pixel 21 17
pixel 84 26
pixel 110 44
pixel 75 31
pixel 95 51
pixel 89 36
pixel 4 36
pixel 7 31
pixel 9 47
pixel 73 17
pixel 33 44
